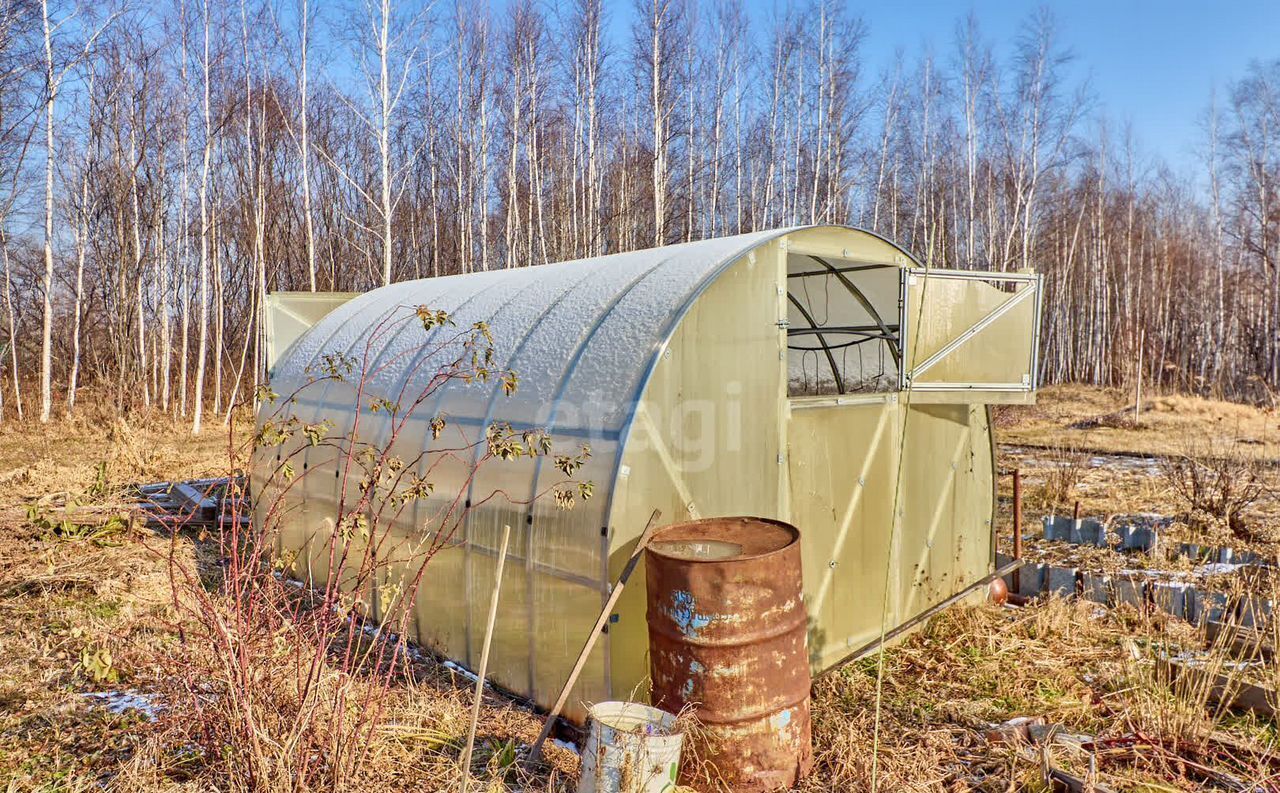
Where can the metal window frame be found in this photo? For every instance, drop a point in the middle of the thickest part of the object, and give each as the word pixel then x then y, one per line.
pixel 1033 288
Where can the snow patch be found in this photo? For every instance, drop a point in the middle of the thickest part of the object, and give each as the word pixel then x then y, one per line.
pixel 120 702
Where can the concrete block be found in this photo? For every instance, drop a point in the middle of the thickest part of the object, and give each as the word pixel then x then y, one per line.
pixel 1130 591
pixel 1140 539
pixel 1256 612
pixel 1032 579
pixel 1061 581
pixel 1140 532
pixel 1097 587
pixel 1195 605
pixel 1226 555
pixel 1211 607
pixel 1057 528
pixel 1147 520
pixel 1170 597
pixel 1089 532
pixel 1193 551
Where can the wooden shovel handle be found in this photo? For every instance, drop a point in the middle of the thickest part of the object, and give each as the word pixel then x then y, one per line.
pixel 535 753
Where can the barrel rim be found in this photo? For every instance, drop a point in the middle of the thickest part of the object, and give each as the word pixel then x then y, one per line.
pixel 657 538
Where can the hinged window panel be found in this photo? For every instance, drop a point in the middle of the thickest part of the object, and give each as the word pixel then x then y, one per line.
pixel 969 331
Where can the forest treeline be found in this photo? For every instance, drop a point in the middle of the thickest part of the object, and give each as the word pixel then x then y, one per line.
pixel 164 165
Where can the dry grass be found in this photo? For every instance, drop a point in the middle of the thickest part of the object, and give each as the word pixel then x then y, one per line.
pixel 1064 471
pixel 93 612
pixel 1188 452
pixel 65 455
pixel 1080 417
pixel 1073 665
pixel 1217 484
pixel 81 614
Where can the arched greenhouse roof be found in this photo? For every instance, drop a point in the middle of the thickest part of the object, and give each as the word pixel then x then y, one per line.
pixel 582 335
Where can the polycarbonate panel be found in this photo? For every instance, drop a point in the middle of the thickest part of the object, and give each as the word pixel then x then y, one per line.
pixel 579 297
pixel 288 315
pixel 582 337
pixel 290 373
pixel 942 307
pixel 843 462
pixel 606 379
pixel 946 501
pixel 702 432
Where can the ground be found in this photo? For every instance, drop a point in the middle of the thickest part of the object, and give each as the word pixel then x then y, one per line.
pixel 92 642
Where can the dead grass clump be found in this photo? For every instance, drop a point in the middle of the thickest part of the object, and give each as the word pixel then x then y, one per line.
pixel 1102 420
pixel 82 618
pixel 1215 483
pixel 1123 419
pixel 945 686
pixel 96 448
pixel 1066 469
pixel 1217 412
pixel 1071 666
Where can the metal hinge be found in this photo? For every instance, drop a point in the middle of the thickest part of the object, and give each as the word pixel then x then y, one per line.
pixel 783 323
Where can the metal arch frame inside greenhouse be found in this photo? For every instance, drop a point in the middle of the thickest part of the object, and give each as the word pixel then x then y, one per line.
pixel 880 331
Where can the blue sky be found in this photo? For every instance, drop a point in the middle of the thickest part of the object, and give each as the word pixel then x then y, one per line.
pixel 1150 63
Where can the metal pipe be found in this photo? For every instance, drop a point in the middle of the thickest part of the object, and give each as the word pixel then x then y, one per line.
pixel 874 644
pixel 842 329
pixel 831 359
pixel 866 305
pixel 854 269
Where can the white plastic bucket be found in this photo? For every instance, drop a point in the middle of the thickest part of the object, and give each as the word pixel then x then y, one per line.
pixel 630 748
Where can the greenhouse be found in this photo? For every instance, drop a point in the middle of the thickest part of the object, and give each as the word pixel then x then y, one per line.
pixel 817 375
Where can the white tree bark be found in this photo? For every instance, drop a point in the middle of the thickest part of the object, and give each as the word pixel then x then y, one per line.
pixel 46 327
pixel 202 345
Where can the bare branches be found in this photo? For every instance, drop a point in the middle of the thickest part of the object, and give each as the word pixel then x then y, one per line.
pixel 269 147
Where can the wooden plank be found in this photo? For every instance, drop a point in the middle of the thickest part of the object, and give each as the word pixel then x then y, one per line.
pixel 1244 642
pixel 1229 690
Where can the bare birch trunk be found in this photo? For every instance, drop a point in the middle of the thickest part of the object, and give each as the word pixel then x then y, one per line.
pixel 13 325
pixel 46 328
pixel 305 143
pixel 203 331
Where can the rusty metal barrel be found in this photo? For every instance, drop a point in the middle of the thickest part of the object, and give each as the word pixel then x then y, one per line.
pixel 727 625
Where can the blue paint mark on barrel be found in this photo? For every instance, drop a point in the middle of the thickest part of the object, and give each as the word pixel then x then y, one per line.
pixel 683 614
pixel 781 719
pixel 695 669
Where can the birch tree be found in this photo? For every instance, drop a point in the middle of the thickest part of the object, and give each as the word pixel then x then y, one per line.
pixel 54 73
pixel 202 280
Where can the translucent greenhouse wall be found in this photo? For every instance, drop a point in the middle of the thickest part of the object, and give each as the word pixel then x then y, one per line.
pixel 674 365
pixel 289 316
pixel 968 330
pixel 892 492
pixel 582 335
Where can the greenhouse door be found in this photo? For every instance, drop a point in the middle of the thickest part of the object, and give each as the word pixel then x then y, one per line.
pixel 966 331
